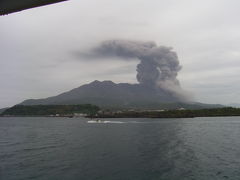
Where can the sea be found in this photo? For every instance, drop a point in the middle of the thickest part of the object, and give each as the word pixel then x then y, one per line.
pixel 57 148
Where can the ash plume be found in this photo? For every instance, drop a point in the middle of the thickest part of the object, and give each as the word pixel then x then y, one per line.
pixel 158 67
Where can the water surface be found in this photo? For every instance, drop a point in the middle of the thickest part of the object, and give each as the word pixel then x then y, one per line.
pixel 119 149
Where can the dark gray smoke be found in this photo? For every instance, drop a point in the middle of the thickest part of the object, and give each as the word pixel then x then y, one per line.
pixel 158 67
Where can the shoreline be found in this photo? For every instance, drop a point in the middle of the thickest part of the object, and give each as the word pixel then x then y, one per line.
pixel 123 117
pixel 131 113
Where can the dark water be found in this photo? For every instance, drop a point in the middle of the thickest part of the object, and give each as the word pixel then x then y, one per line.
pixel 137 149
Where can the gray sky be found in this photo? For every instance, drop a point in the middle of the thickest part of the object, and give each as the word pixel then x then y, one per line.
pixel 37 46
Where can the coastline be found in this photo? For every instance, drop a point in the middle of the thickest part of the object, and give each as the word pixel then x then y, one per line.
pixel 91 111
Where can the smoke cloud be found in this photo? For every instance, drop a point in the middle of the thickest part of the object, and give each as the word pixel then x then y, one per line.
pixel 158 67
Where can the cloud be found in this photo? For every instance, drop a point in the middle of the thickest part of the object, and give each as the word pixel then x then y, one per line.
pixel 158 67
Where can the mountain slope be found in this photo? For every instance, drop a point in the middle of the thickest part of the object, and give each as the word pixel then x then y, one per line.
pixel 112 95
pixel 2 110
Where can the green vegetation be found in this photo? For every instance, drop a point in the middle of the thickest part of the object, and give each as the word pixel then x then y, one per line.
pixel 46 110
pixel 181 113
pixel 94 111
pixel 2 110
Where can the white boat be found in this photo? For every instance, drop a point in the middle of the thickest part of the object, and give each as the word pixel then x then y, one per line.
pixel 102 121
pixel 96 121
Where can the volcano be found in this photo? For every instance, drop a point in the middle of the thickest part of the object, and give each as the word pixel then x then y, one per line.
pixel 107 94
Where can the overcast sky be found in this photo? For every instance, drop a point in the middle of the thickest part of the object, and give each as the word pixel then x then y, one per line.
pixel 37 46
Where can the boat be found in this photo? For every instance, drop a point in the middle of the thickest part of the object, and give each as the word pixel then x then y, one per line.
pixel 96 121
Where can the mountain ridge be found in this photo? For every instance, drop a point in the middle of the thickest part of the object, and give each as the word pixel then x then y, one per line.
pixel 107 94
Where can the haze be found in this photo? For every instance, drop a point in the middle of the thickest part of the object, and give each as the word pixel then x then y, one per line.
pixel 37 46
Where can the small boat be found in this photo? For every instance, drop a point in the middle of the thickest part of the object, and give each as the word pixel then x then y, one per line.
pixel 96 121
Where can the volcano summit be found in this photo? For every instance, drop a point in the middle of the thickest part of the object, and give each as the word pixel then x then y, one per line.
pixel 156 73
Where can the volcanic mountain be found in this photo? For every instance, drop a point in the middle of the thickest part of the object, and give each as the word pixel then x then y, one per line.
pixel 108 94
pixel 157 70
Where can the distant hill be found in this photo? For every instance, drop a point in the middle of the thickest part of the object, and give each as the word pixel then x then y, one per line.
pixel 2 110
pixel 107 94
pixel 236 105
pixel 46 110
